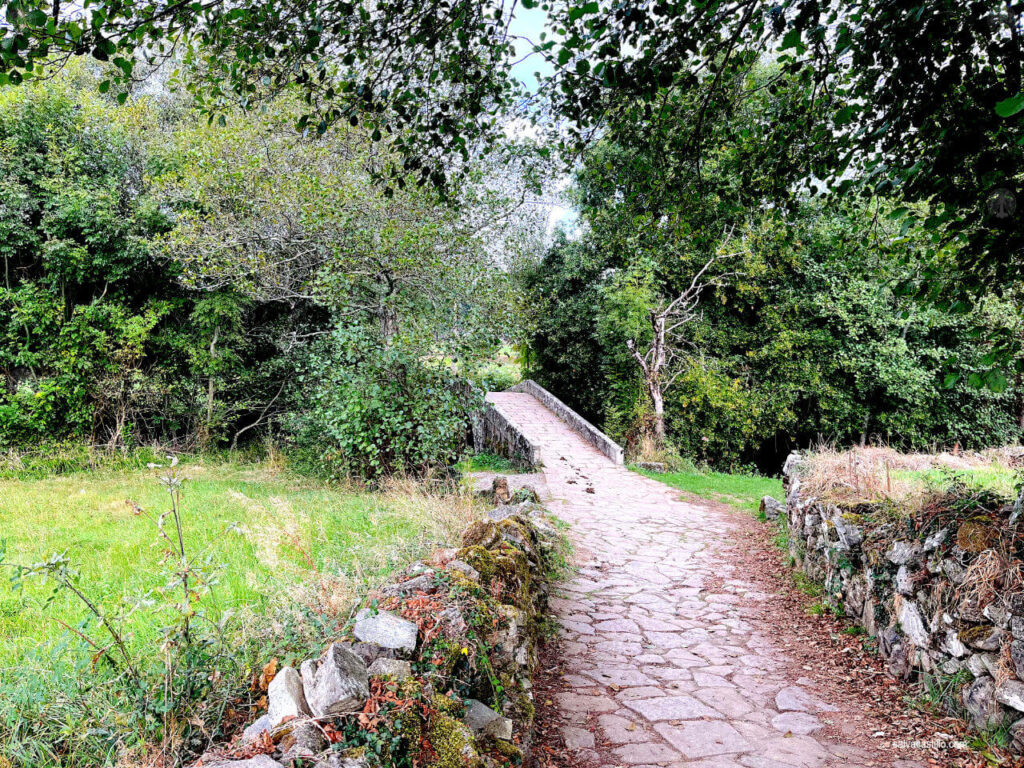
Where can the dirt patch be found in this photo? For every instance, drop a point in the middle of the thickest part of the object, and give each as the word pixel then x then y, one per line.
pixel 875 713
pixel 549 750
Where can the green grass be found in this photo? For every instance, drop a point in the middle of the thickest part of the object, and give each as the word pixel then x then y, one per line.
pixel 994 477
pixel 737 490
pixel 486 462
pixel 273 536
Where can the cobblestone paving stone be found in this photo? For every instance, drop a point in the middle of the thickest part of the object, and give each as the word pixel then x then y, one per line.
pixel 663 666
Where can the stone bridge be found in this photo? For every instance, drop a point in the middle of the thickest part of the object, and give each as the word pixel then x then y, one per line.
pixel 667 659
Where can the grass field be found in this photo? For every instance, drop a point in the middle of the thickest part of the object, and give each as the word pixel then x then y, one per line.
pixel 273 537
pixel 737 490
pixel 287 556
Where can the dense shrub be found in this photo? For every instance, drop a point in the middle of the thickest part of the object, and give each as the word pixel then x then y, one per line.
pixel 378 408
pixel 811 343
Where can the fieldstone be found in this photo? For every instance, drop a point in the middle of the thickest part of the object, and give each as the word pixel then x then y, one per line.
pixel 482 533
pixel 306 740
pixel 901 661
pixel 989 640
pixel 904 581
pixel 997 615
pixel 903 552
pixel 703 739
pixel 772 508
pixel 951 666
pixel 386 630
pixel 976 664
pixel 256 729
pixel 1011 693
pixel 453 620
pixel 800 723
pixel 913 625
pixel 1015 603
pixel 1017 657
pixel 850 535
pixel 577 739
pixel 953 570
pixel 935 540
pixel 795 699
pixel 370 652
pixel 792 466
pixel 951 644
pixel 992 663
pixel 481 719
pixel 259 761
pixel 980 702
pixel 465 569
pixel 499 487
pixel 888 639
pixel 651 466
pixel 422 583
pixel 337 683
pixel 672 708
pixel 619 730
pixel 337 760
pixel 286 698
pixel 1016 734
pixel 395 668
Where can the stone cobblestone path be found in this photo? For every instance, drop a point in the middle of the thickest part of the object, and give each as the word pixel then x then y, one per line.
pixel 662 665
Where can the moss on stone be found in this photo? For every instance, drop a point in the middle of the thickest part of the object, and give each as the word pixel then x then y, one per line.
pixel 452 743
pixel 974 634
pixel 976 536
pixel 482 533
pixel 448 705
pixel 509 750
pixel 481 559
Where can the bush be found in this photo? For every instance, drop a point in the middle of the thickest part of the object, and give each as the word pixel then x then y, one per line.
pixel 378 409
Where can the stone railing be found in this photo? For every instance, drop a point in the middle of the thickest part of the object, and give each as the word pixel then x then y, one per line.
pixel 584 428
pixel 943 592
pixel 436 670
pixel 494 432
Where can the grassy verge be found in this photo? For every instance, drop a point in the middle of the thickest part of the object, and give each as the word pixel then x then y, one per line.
pixel 285 556
pixel 486 462
pixel 737 490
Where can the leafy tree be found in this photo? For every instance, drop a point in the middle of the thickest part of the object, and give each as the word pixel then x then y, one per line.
pixel 810 341
pixel 82 294
pixel 426 76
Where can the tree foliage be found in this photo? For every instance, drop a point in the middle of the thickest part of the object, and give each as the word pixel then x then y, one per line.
pixel 811 340
pixel 165 278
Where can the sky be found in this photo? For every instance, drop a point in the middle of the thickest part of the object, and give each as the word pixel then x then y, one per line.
pixel 529 23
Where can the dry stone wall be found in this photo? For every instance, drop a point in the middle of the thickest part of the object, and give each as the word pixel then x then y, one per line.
pixel 940 588
pixel 436 669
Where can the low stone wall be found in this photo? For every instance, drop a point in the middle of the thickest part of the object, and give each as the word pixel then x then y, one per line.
pixel 588 431
pixel 436 670
pixel 497 434
pixel 941 589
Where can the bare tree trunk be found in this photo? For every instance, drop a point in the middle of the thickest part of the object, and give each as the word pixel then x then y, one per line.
pixel 388 323
pixel 665 325
pixel 1020 401
pixel 210 386
pixel 659 416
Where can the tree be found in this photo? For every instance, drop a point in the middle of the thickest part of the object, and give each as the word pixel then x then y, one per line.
pixel 811 342
pixel 428 76
pixel 667 323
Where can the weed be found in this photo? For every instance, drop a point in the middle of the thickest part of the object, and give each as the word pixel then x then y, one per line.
pixel 940 692
pixel 486 462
